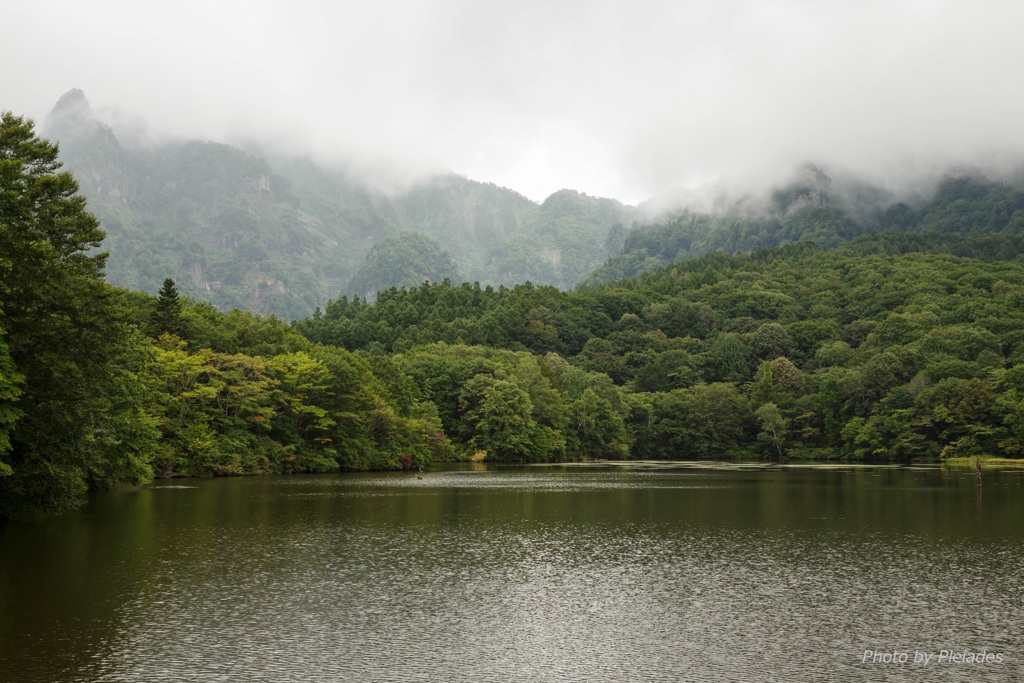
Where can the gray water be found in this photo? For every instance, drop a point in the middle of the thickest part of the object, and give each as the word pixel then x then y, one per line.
pixel 649 573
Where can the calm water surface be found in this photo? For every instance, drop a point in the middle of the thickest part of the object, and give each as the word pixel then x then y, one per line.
pixel 709 573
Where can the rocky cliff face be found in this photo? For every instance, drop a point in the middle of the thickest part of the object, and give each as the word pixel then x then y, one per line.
pixel 208 215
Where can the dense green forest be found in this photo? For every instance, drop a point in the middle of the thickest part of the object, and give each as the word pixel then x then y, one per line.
pixel 878 349
pixel 894 346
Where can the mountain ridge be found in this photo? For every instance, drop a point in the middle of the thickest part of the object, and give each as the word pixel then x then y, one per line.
pixel 283 235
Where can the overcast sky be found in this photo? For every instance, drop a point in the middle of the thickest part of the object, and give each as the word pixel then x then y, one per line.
pixel 614 99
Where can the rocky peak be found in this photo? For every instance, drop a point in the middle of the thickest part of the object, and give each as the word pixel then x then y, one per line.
pixel 72 119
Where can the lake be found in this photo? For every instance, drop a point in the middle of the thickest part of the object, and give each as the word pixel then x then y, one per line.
pixel 651 572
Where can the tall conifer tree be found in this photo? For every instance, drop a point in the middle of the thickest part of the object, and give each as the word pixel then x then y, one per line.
pixel 166 317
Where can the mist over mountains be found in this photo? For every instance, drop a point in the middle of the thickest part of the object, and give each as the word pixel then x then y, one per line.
pixel 278 234
pixel 967 212
pixel 275 233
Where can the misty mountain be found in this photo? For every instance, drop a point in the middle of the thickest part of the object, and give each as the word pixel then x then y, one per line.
pixel 217 220
pixel 816 207
pixel 277 234
pixel 494 235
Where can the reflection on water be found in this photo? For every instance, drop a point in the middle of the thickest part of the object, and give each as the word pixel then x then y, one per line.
pixel 547 573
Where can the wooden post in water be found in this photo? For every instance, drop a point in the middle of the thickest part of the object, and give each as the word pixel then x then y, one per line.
pixel 977 471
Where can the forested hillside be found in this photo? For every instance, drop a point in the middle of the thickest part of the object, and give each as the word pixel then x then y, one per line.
pixel 885 348
pixel 282 235
pixel 406 258
pixel 814 207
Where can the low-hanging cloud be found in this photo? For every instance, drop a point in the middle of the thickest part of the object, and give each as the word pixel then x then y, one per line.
pixel 608 98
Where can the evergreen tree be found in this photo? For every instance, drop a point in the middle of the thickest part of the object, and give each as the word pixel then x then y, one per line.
pixel 166 318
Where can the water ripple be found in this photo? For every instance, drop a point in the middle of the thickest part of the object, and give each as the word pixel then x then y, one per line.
pixel 564 576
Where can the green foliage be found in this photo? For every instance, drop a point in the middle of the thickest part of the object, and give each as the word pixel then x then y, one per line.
pixel 312 410
pixel 10 390
pixel 774 426
pixel 499 420
pixel 166 317
pixel 241 332
pixel 69 363
pixel 853 348
pixel 707 421
pixel 518 406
